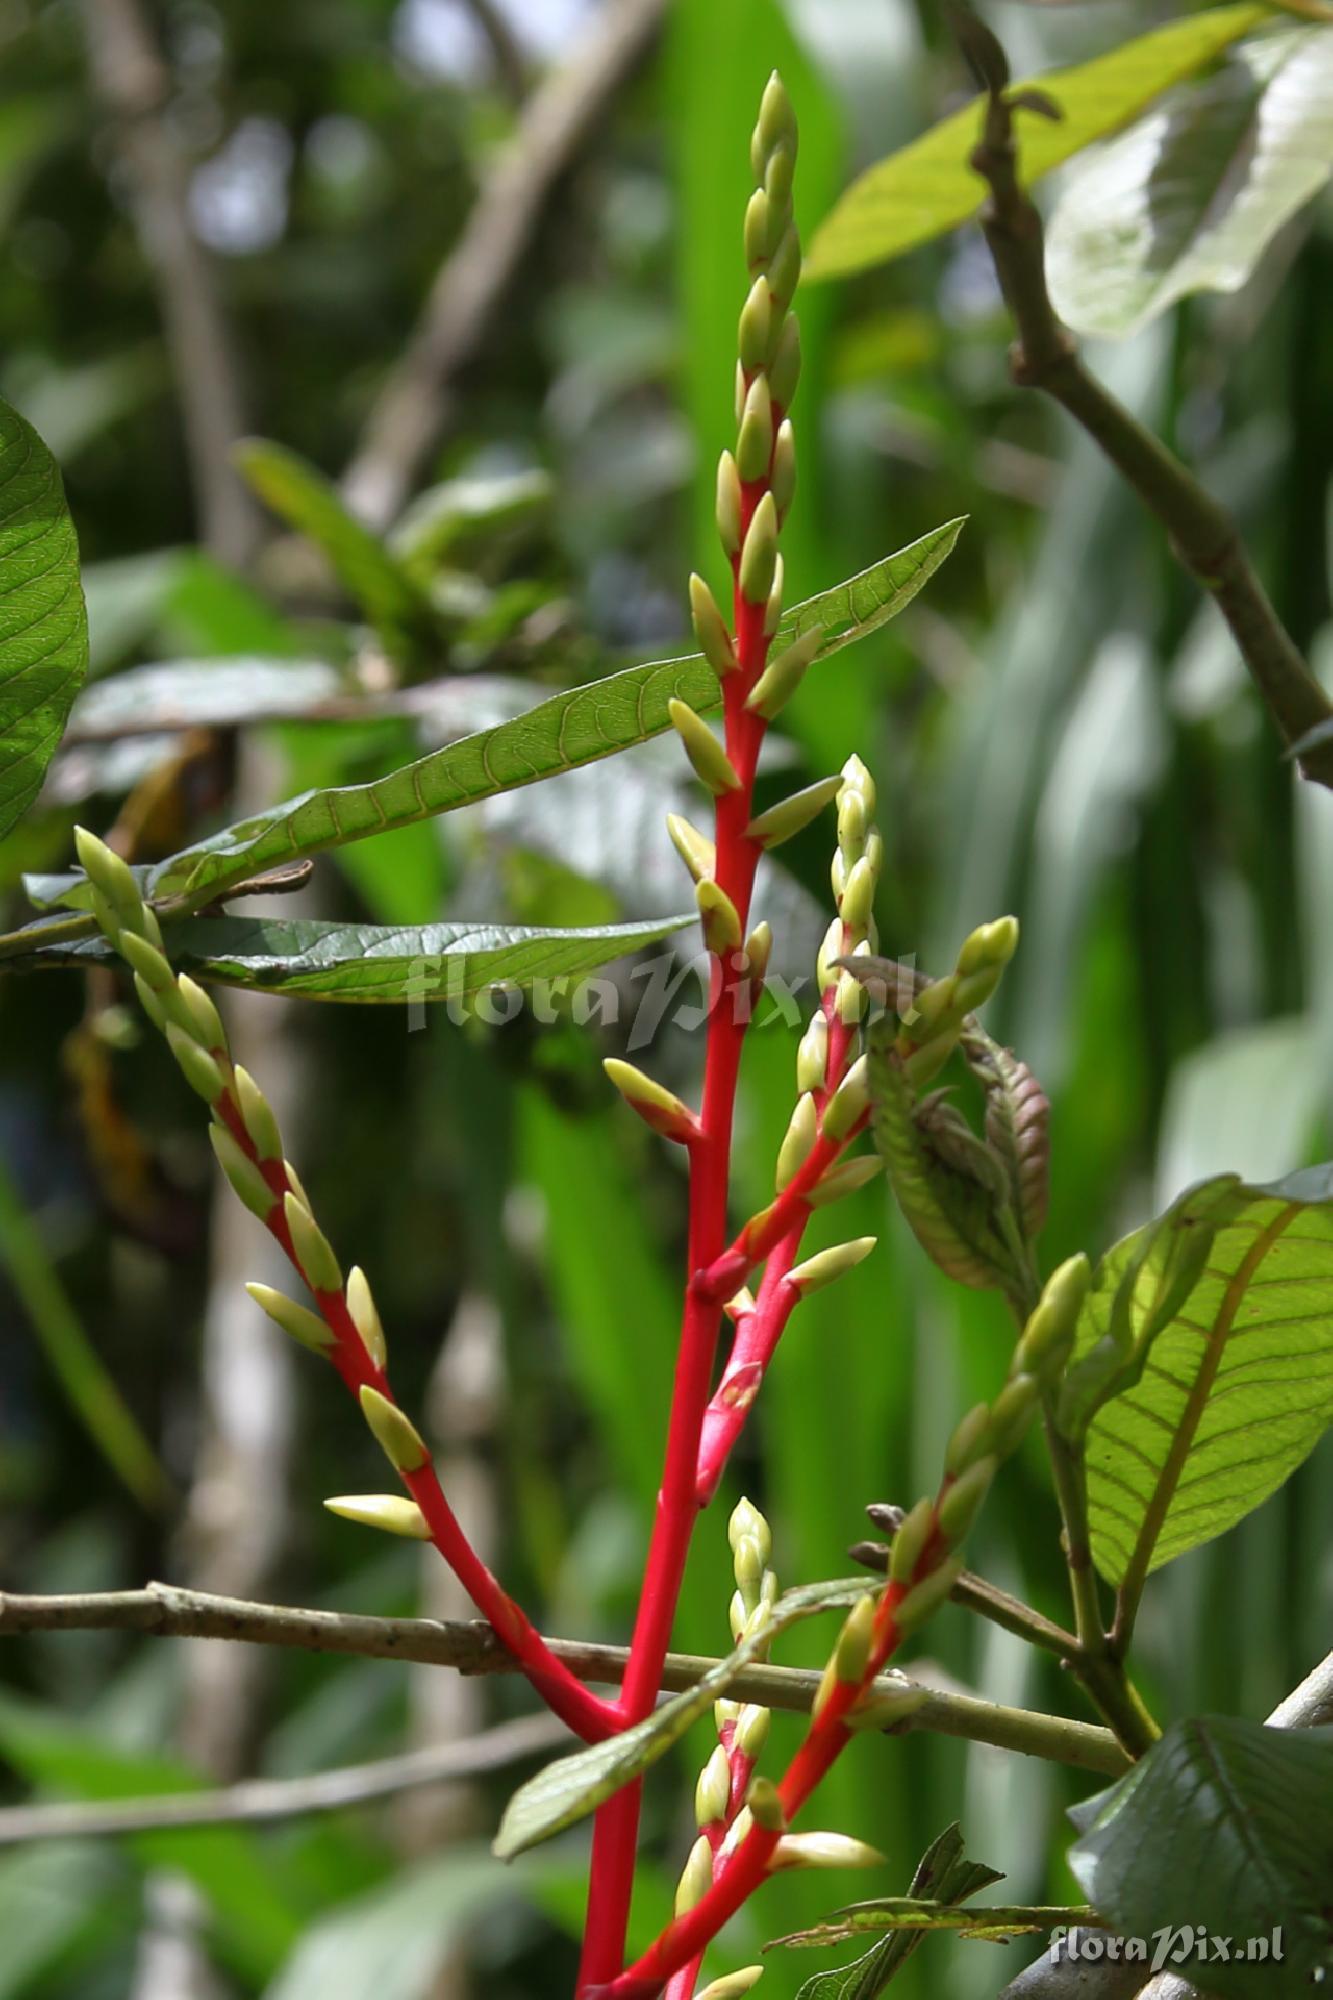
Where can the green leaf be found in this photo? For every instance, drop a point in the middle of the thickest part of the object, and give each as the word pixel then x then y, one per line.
pixel 995 1922
pixel 312 959
pixel 1225 1825
pixel 393 1940
pixel 1205 1352
pixel 570 729
pixel 43 624
pixel 1188 200
pixel 394 603
pixel 572 1787
pixel 172 695
pixel 945 1876
pixel 929 187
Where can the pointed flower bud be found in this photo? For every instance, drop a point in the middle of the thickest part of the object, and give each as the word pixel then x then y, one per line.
pixel 1012 1411
pixel 712 766
pixel 849 1102
pixel 784 370
pixel 784 266
pixel 257 1115
pixel 752 1726
pixel 197 1014
pixel 754 333
pixel 696 1878
pixel 777 119
pixel 799 1140
pixel 773 608
pixel 729 504
pixel 146 960
pixel 779 179
pixel 764 1802
pixel 783 477
pixel 828 1265
pixel 758 951
pixel 754 443
pixel 847 1177
pixel 110 874
pixel 732 1985
pixel 150 1001
pixel 851 1654
pixel 850 1000
pixel 298 1321
pixel 694 848
pixel 710 629
pixel 760 237
pixel 389 1511
pixel 826 972
pixel 992 944
pixel 812 1055
pixel 784 674
pixel 792 815
pixel 961 1501
pixel 969 1441
pixel 314 1253
pixel 243 1174
pixel 760 554
pixel 1048 1337
pixel 396 1435
pixel 195 1064
pixel 712 1794
pixel 853 825
pixel 926 1597
pixel 717 914
pixel 365 1316
pixel 655 1104
pixel 858 896
pixel 824 1850
pixel 747 1524
pixel 911 1538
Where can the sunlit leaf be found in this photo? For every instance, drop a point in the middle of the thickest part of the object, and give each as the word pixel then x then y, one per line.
pixel 1188 200
pixel 1225 1825
pixel 314 959
pixel 43 624
pixel 929 187
pixel 572 1787
pixel 1206 1351
pixel 558 735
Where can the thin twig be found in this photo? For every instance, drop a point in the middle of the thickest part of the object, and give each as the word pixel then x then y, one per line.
pixel 1202 534
pixel 164 1611
pixel 263 1799
pixel 559 117
pixel 133 84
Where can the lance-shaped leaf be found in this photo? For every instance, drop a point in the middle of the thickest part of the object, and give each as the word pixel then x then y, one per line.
pixel 930 186
pixel 1188 200
pixel 572 1787
pixel 382 586
pixel 995 1922
pixel 944 1876
pixel 570 729
pixel 1227 1826
pixel 311 959
pixel 43 625
pixel 1221 1318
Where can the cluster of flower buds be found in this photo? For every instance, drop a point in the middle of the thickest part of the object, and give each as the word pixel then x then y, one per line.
pixel 932 1025
pixel 245 1137
pixel 925 1559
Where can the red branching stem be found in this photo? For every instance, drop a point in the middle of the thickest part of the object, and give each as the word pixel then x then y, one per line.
pixel 586 1714
pixel 615 1829
pixel 724 1276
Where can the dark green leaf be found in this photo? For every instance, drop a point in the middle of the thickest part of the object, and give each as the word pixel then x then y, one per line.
pixel 558 735
pixel 43 624
pixel 914 1913
pixel 369 963
pixel 945 1876
pixel 1188 200
pixel 572 1787
pixel 1205 1362
pixel 1225 1825
pixel 929 187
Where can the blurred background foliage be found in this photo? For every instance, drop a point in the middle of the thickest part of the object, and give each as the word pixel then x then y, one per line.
pixel 1057 726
